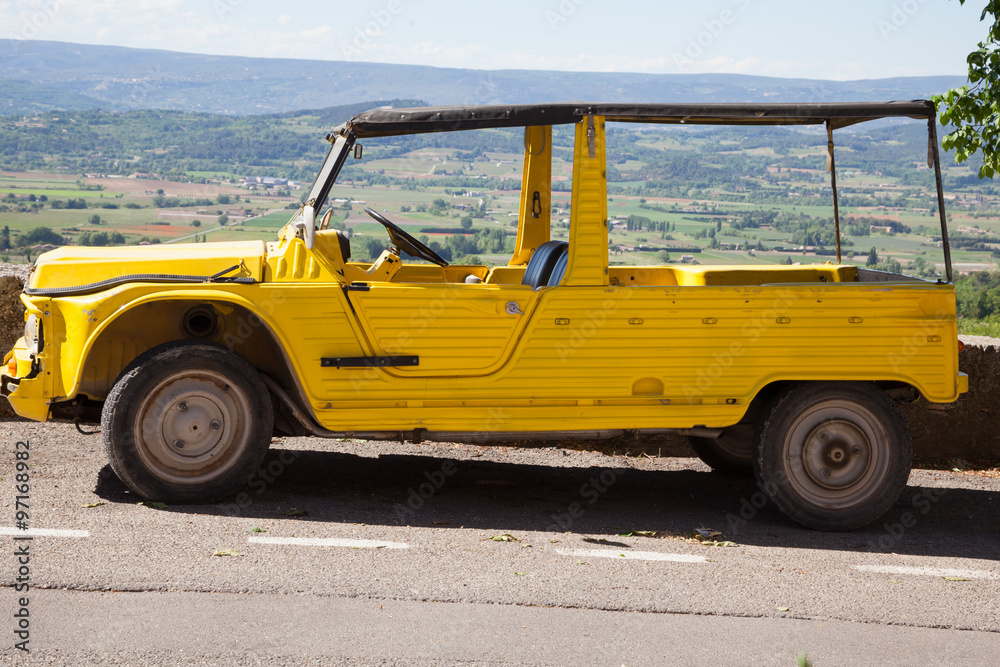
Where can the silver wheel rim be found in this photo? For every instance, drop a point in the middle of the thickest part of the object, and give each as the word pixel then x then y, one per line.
pixel 836 454
pixel 193 427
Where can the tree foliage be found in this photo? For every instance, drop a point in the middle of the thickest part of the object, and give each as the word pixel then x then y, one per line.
pixel 978 294
pixel 39 235
pixel 973 108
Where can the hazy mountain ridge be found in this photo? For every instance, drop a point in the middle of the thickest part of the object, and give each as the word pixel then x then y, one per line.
pixel 118 78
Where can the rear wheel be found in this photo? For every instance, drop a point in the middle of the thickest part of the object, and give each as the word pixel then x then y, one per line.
pixel 730 454
pixel 833 456
pixel 187 423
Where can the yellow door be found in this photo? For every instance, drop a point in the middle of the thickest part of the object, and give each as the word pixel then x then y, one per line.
pixel 454 329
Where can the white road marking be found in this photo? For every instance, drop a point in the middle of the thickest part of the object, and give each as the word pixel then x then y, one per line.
pixel 329 542
pixel 43 532
pixel 631 555
pixel 928 571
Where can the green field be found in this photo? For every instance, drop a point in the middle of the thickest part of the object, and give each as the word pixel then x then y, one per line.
pixel 687 174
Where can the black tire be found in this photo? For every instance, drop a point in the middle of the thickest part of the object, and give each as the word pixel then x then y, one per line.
pixel 187 423
pixel 729 454
pixel 833 455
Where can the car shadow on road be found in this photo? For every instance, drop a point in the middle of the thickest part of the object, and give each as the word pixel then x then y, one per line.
pixel 601 503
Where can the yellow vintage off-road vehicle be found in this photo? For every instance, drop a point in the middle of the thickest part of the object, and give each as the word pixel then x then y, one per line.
pixel 194 356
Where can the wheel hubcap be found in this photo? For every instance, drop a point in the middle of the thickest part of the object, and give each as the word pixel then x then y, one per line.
pixel 188 424
pixel 836 454
pixel 192 427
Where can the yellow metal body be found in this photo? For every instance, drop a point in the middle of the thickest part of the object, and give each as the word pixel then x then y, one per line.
pixel 608 348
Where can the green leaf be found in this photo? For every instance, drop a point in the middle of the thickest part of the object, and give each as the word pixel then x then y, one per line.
pixel 956 579
pixel 258 529
pixel 784 608
pixel 520 574
pixel 295 512
pixel 227 552
pixel 97 504
pixel 504 538
pixel 151 503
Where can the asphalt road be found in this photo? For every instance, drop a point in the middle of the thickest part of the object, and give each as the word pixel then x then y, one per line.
pixel 383 553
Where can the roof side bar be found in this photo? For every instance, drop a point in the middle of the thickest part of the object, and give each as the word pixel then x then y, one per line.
pixel 388 122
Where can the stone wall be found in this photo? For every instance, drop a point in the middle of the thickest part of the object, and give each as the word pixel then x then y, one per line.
pixel 967 428
pixel 11 324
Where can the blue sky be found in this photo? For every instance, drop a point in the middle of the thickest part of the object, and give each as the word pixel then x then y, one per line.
pixel 848 39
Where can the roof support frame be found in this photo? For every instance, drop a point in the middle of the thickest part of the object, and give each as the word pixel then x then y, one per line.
pixel 933 142
pixel 832 167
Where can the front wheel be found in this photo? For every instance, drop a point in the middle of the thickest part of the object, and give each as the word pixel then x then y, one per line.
pixel 187 423
pixel 833 456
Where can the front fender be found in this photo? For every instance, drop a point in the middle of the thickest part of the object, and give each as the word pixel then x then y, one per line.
pixel 98 335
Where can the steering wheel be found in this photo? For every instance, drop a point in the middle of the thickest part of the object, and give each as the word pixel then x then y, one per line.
pixel 404 241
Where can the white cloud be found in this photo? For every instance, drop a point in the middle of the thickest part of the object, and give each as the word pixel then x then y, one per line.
pixel 447 52
pixel 316 32
pixel 282 20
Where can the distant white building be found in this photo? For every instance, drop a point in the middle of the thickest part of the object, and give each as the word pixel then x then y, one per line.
pixel 266 183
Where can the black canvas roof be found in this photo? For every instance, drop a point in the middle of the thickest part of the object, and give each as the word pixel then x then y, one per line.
pixel 387 121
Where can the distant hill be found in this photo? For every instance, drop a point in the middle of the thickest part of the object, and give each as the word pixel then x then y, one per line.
pixel 40 75
pixel 172 142
pixel 23 97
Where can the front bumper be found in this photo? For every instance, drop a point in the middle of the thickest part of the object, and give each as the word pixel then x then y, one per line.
pixel 24 389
